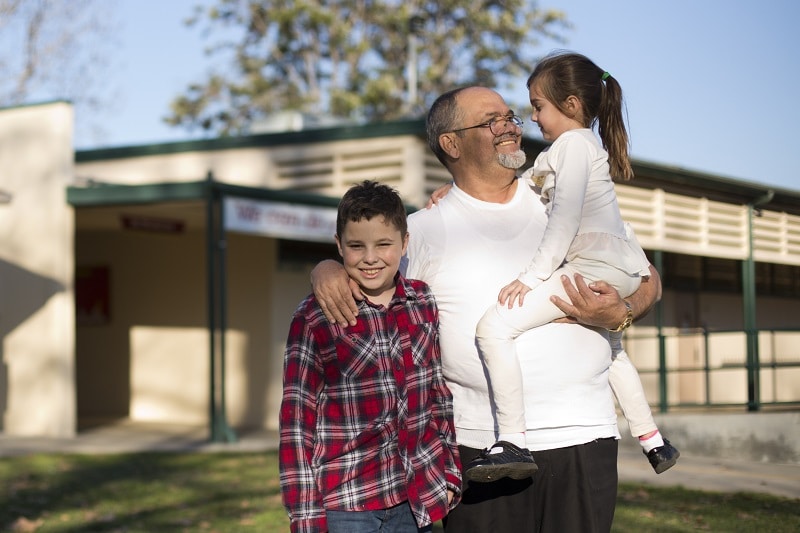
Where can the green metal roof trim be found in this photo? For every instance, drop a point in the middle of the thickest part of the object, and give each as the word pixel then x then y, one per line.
pixel 109 195
pixel 649 175
pixel 106 195
pixel 35 104
pixel 340 133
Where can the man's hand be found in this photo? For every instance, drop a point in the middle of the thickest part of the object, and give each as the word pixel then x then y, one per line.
pixel 336 293
pixel 597 304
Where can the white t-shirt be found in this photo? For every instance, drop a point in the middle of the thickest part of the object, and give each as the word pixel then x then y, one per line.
pixel 467 250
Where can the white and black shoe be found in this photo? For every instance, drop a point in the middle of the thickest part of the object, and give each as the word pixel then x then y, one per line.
pixel 503 459
pixel 663 457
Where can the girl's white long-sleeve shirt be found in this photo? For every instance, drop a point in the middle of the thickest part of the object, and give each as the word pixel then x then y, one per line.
pixel 583 218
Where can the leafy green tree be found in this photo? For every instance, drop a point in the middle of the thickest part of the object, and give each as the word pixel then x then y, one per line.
pixel 356 59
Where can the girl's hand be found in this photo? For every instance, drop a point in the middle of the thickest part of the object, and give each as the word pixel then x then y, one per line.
pixel 438 194
pixel 516 290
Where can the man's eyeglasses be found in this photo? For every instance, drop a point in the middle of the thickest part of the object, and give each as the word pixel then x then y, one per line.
pixel 497 125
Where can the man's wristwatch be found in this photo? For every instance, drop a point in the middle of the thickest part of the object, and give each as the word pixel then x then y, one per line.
pixel 628 318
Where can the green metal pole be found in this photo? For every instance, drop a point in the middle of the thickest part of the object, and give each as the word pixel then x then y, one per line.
pixel 216 249
pixel 749 307
pixel 662 344
pixel 211 288
pixel 226 433
pixel 748 304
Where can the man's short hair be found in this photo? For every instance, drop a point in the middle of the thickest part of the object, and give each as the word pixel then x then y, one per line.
pixel 443 116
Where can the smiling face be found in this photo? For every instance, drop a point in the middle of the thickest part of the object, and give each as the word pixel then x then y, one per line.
pixel 480 105
pixel 551 120
pixel 371 251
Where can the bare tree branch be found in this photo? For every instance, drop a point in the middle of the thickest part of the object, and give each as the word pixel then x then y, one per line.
pixel 55 50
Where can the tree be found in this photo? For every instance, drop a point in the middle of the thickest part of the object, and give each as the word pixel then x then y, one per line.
pixel 354 58
pixel 52 50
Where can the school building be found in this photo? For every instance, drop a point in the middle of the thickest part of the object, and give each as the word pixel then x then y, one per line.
pixel 156 283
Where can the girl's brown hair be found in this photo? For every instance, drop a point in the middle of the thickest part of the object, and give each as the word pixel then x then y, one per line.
pixel 564 74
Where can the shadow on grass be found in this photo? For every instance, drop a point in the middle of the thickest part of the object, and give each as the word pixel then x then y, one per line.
pixel 140 492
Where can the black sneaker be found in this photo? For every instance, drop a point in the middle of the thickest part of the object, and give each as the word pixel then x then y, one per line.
pixel 513 462
pixel 663 457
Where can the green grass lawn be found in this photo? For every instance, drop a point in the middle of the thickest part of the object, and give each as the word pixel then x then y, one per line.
pixel 226 492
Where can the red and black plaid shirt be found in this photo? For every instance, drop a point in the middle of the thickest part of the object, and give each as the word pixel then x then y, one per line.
pixel 366 420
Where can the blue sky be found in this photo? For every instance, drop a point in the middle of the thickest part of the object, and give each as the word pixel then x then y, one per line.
pixel 710 85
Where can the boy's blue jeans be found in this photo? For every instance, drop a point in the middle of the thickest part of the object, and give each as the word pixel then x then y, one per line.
pixel 397 519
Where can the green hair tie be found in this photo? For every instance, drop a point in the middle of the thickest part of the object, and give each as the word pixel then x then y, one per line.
pixel 605 76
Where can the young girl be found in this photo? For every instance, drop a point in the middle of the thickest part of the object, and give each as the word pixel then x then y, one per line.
pixel 585 234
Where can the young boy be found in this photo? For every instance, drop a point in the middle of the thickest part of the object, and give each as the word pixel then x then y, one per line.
pixel 366 422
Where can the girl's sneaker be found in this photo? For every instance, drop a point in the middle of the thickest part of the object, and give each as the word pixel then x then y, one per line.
pixel 663 457
pixel 503 459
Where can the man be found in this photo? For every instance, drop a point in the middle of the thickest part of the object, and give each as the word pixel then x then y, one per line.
pixel 478 237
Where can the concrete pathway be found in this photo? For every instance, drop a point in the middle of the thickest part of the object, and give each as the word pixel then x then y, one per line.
pixel 713 474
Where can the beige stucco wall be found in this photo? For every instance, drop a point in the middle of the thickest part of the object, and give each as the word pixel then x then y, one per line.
pixel 150 362
pixel 37 324
pixel 157 284
pixel 245 166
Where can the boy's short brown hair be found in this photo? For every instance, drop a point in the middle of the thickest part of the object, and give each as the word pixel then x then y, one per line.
pixel 369 199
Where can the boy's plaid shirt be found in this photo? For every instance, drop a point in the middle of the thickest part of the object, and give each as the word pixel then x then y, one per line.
pixel 366 420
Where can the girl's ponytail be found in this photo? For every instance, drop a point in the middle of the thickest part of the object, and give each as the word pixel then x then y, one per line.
pixel 611 128
pixel 561 75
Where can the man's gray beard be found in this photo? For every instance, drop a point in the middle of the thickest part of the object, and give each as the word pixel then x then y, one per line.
pixel 512 161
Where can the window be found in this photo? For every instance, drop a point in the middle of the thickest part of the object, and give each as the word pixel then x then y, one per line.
pixel 294 254
pixel 694 273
